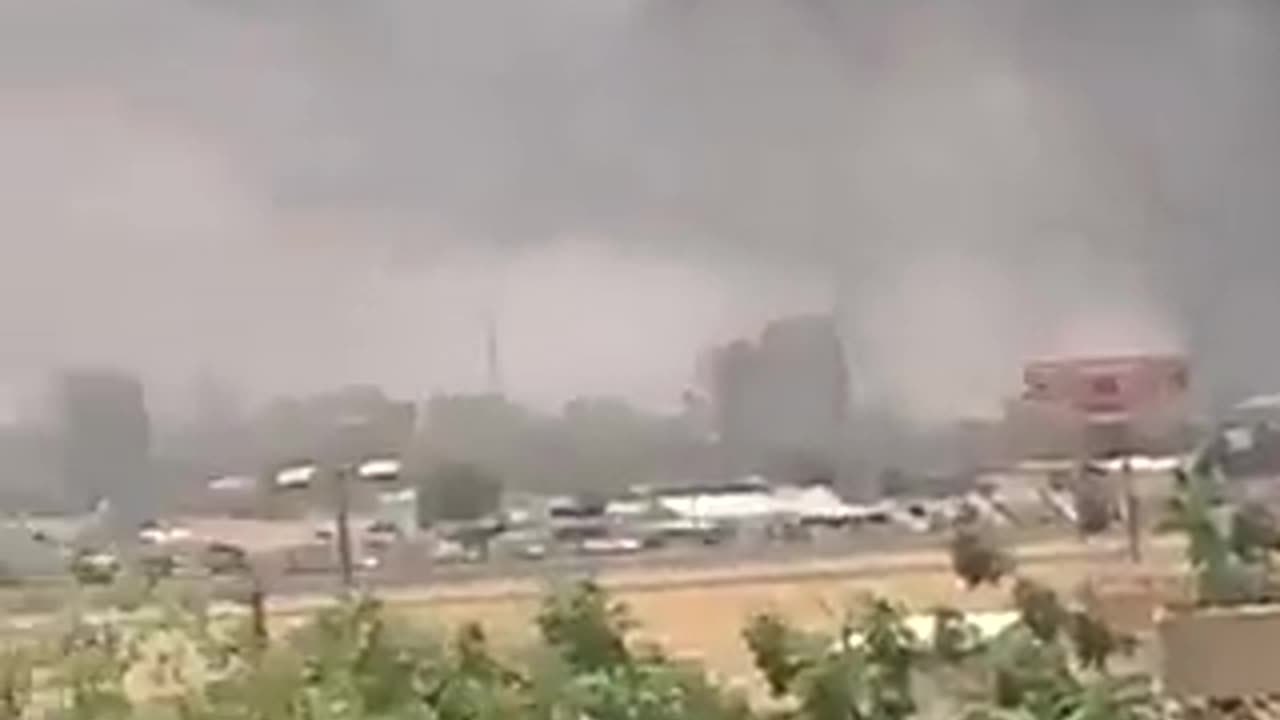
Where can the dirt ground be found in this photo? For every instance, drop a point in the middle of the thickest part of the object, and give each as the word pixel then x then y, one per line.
pixel 701 615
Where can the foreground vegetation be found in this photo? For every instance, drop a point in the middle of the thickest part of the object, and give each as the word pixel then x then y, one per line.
pixel 172 659
pixel 359 660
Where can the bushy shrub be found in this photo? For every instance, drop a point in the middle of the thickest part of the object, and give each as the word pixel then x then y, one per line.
pixel 1095 504
pixel 1040 609
pixel 781 652
pixel 586 627
pixel 1254 531
pixel 976 556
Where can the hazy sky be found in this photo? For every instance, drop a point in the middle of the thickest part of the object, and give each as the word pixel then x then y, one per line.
pixel 298 193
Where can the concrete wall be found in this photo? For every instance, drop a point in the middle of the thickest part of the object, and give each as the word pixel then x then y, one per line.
pixel 1220 653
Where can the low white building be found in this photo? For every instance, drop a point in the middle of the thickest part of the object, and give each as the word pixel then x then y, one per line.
pixel 750 499
pixel 379 469
pixel 753 499
pixel 299 476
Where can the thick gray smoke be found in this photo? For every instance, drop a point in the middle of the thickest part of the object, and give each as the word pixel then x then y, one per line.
pixel 296 193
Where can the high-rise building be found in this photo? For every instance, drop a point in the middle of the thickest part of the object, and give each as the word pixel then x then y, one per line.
pixel 784 397
pixel 732 386
pixel 105 439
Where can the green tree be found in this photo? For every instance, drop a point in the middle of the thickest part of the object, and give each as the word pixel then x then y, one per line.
pixel 976 556
pixel 1254 532
pixel 1228 565
pixel 586 627
pixel 92 660
pixel 865 671
pixel 594 673
pixel 1094 642
pixel 780 651
pixel 458 492
pixel 17 677
pixel 1039 609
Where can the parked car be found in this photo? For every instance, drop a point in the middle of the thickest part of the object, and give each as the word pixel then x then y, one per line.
pixel 91 567
pixel 532 550
pixel 382 533
pixel 610 546
pixel 157 533
pixel 521 545
pixel 450 552
pixel 225 559
pixel 699 532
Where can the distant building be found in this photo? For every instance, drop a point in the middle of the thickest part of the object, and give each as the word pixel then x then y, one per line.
pixel 29 463
pixel 784 399
pixel 352 424
pixel 1101 406
pixel 483 429
pixel 755 499
pixel 105 440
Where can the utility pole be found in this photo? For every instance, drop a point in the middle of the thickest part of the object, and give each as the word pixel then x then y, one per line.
pixel 346 439
pixel 258 613
pixel 1133 524
pixel 342 524
pixel 1132 521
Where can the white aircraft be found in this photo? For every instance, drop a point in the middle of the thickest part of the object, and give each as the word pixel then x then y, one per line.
pixel 67 530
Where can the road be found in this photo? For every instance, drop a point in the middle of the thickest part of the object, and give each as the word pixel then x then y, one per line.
pixel 855 547
pixel 707 569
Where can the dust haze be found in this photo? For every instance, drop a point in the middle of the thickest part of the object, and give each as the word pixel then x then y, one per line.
pixel 296 194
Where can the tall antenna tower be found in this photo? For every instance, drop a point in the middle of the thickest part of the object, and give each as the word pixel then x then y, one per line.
pixel 493 356
pixel 842 319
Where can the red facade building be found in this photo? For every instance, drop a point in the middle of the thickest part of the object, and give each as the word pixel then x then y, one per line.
pixel 1101 405
pixel 1104 388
